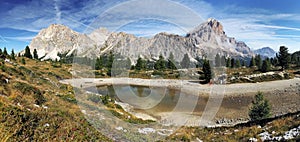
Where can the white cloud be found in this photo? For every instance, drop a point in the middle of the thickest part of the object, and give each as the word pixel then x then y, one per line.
pixel 161 10
pixel 2 39
pixel 57 10
pixel 21 38
pixel 254 26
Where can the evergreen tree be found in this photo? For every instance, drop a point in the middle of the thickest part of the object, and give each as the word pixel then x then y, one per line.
pixel 260 108
pixel 160 64
pixel 237 63
pixel 171 62
pixel 99 63
pixel 223 61
pixel 12 55
pixel 27 52
pixel 244 64
pixel 298 61
pixel 274 61
pixel 228 63
pixel 35 55
pixel 266 66
pixel 217 60
pixel 207 71
pixel 5 52
pixel 258 61
pixel 232 63
pixel 283 57
pixel 111 58
pixel 185 63
pixel 23 61
pixel 141 64
pixel 1 51
pixel 252 62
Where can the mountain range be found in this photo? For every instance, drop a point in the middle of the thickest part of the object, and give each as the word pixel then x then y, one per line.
pixel 266 52
pixel 207 39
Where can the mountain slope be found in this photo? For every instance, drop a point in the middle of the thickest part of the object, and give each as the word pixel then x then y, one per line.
pixel 266 52
pixel 207 39
pixel 34 106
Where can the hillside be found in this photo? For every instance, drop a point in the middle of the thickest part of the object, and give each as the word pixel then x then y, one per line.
pixel 34 106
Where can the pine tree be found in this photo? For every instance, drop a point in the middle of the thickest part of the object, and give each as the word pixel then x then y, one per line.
pixel 223 61
pixel 244 64
pixel 266 66
pixel 232 63
pixel 185 63
pixel 1 51
pixel 27 52
pixel 258 61
pixel 98 64
pixel 298 61
pixel 171 62
pixel 141 64
pixel 260 108
pixel 111 59
pixel 12 55
pixel 228 63
pixel 23 61
pixel 35 55
pixel 5 51
pixel 217 60
pixel 283 57
pixel 207 71
pixel 160 64
pixel 237 63
pixel 252 62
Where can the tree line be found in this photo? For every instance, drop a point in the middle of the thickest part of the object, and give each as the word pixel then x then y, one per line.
pixel 282 59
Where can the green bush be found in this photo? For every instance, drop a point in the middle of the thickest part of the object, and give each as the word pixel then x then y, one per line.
pixel 260 108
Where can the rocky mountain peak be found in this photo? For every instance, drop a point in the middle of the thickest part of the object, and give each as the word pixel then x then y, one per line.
pixel 208 37
pixel 216 26
pixel 209 28
pixel 265 52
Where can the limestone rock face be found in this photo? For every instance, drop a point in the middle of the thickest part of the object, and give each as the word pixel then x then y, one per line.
pixel 60 39
pixel 207 39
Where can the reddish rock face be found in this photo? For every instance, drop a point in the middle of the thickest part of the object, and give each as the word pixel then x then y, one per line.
pixel 216 26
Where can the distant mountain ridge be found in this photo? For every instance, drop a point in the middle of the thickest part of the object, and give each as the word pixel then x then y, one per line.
pixel 207 39
pixel 266 52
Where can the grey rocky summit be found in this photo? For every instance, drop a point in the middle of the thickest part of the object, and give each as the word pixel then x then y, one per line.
pixel 207 39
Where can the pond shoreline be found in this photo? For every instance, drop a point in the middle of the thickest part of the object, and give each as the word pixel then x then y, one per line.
pixel 284 96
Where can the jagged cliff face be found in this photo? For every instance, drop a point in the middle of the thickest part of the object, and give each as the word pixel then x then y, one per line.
pixel 60 39
pixel 207 39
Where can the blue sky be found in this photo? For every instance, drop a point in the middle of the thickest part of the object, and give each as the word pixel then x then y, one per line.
pixel 259 23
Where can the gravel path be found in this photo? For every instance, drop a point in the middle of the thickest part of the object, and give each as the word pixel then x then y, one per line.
pixel 187 85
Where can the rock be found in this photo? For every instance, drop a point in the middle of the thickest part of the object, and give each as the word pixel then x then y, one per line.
pixel 253 140
pixel 146 130
pixel 35 105
pixel 46 125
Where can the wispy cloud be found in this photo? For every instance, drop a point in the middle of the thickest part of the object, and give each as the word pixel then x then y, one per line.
pixel 21 38
pixel 57 10
pixel 2 39
pixel 257 27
